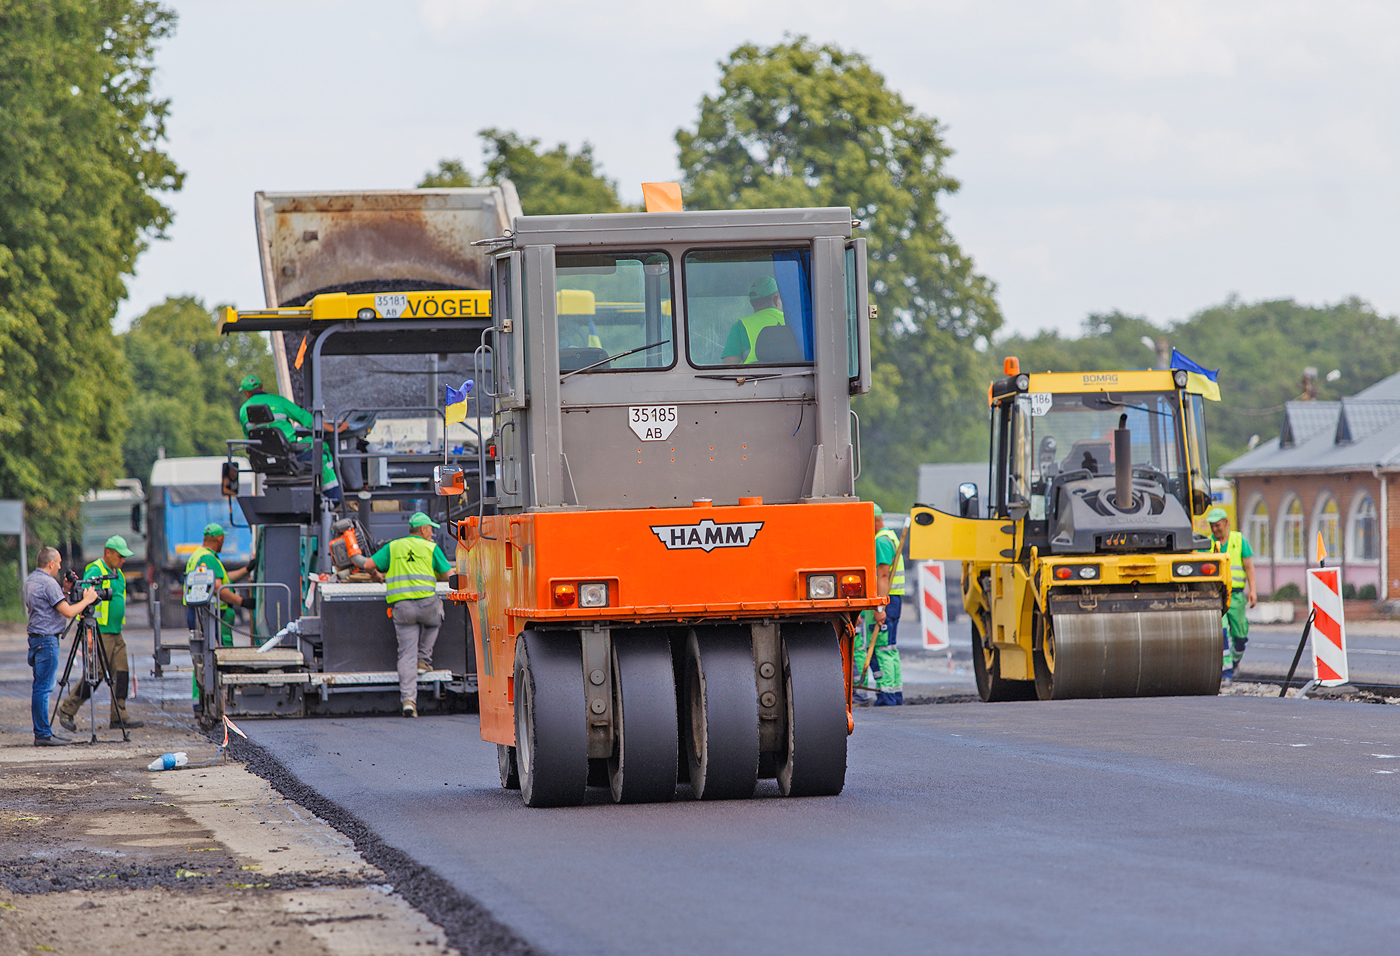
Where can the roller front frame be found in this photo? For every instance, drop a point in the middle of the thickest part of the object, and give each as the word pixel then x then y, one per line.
pixel 1133 594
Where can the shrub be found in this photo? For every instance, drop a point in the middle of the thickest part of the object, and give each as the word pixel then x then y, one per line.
pixel 1287 592
pixel 1348 592
pixel 1367 592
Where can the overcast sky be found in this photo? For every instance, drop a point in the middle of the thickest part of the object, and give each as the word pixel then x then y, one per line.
pixel 1152 156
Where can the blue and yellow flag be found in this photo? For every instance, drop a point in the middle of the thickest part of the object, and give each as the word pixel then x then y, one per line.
pixel 1199 379
pixel 456 410
pixel 594 342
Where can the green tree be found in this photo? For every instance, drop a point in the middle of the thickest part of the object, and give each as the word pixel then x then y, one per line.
pixel 1261 349
pixel 803 125
pixel 82 164
pixel 550 183
pixel 185 380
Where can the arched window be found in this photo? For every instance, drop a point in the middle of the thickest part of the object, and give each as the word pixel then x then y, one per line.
pixel 1256 528
pixel 1292 547
pixel 1365 541
pixel 1329 526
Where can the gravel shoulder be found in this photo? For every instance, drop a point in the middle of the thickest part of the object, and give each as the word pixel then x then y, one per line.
pixel 100 855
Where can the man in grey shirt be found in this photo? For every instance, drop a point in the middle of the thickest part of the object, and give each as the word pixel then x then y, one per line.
pixel 49 612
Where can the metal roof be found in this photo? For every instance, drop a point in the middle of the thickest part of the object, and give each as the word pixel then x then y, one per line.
pixel 1304 420
pixel 1357 433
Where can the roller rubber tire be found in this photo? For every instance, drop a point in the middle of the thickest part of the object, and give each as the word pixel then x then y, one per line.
pixel 505 763
pixel 643 770
pixel 813 762
pixel 721 705
pixel 986 667
pixel 551 730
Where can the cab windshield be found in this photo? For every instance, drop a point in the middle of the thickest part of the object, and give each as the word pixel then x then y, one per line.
pixel 1069 436
pixel 614 311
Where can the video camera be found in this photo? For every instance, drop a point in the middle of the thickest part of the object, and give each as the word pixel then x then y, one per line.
pixel 76 587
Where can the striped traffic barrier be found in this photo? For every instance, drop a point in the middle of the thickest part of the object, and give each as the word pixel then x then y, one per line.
pixel 1329 641
pixel 933 605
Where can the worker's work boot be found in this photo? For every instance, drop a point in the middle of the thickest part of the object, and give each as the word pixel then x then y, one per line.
pixel 424 667
pixel 66 721
pixel 410 709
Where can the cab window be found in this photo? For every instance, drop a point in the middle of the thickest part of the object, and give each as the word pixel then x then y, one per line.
pixel 614 311
pixel 748 307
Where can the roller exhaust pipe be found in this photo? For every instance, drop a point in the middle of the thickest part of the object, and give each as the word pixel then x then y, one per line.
pixel 1123 465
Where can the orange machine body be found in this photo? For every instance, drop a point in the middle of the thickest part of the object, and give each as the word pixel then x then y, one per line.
pixel 662 566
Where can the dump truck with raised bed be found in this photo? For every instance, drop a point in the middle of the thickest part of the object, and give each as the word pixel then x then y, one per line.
pixel 1086 576
pixel 668 589
pixel 375 302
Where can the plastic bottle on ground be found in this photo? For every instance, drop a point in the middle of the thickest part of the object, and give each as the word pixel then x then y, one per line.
pixel 169 761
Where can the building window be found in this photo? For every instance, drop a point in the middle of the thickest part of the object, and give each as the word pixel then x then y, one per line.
pixel 1329 527
pixel 1365 543
pixel 1290 533
pixel 1256 528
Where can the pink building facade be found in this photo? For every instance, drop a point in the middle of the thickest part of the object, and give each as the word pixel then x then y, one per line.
pixel 1334 471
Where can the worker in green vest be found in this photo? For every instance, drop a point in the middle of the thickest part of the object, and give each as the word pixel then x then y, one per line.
pixel 207 556
pixel 286 416
pixel 411 567
pixel 111 615
pixel 882 624
pixel 767 308
pixel 1241 555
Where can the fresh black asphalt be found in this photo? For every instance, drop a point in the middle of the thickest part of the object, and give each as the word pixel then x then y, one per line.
pixel 1148 826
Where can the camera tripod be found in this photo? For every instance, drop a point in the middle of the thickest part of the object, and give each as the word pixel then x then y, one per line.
pixel 97 670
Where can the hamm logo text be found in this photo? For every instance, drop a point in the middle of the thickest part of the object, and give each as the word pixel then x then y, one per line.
pixel 707 535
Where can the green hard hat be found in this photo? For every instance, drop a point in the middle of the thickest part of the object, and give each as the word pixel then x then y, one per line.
pixel 879 512
pixel 118 544
pixel 1216 514
pixel 419 519
pixel 213 530
pixel 250 383
pixel 762 287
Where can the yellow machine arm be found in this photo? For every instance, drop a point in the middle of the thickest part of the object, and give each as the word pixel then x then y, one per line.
pixel 936 536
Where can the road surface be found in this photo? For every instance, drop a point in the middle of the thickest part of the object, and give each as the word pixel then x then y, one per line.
pixel 1147 826
pixel 1373 653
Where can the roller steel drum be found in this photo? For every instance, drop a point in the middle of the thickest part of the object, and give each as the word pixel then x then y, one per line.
pixel 1131 654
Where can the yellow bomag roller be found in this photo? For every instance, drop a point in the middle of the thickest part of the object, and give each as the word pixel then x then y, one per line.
pixel 1084 575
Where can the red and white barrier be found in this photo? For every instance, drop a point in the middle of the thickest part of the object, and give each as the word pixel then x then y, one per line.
pixel 933 605
pixel 1329 631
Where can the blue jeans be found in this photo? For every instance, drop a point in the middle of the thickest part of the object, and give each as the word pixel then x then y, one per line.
pixel 43 658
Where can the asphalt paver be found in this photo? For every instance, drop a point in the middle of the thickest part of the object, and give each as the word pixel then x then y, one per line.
pixel 1233 824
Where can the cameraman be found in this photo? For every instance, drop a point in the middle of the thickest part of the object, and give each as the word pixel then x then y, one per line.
pixel 111 615
pixel 48 610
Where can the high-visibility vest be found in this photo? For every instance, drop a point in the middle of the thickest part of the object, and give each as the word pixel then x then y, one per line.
pixel 200 552
pixel 411 574
pixel 755 324
pixel 1234 547
pixel 104 608
pixel 897 575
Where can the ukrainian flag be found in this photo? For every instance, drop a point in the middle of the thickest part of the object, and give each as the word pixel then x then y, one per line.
pixel 456 410
pixel 594 342
pixel 1199 379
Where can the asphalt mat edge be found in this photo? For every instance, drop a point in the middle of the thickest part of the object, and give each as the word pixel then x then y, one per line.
pixel 469 926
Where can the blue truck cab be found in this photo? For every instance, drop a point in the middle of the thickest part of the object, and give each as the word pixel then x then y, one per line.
pixel 184 495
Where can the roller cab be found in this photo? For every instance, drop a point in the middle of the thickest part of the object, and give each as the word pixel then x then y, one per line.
pixel 1085 574
pixel 666 591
